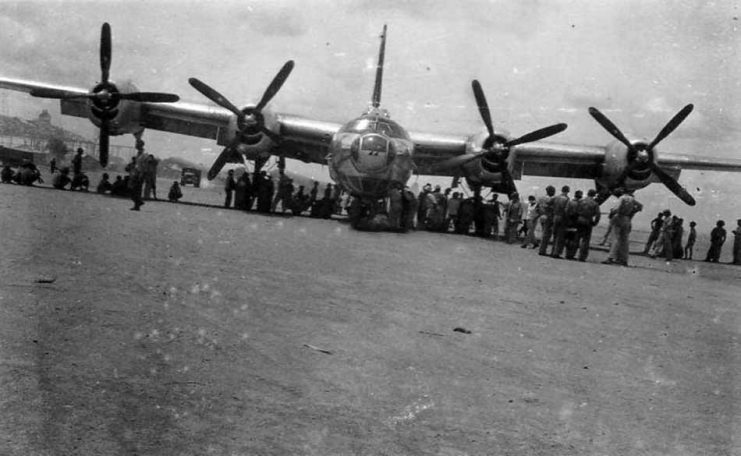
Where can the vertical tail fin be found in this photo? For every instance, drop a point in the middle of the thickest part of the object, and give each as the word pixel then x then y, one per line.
pixel 379 71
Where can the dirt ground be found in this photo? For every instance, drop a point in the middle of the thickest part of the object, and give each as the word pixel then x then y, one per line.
pixel 189 330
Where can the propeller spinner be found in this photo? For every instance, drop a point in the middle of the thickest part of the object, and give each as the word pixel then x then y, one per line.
pixel 249 120
pixel 105 95
pixel 642 156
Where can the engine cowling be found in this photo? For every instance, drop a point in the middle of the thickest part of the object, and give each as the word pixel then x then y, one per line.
pixel 618 159
pixel 125 116
pixel 254 144
pixel 486 171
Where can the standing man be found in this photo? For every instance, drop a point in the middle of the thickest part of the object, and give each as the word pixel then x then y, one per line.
pixel 531 221
pixel 136 180
pixel 737 243
pixel 150 176
pixel 240 191
pixel 691 237
pixel 587 217
pixel 663 245
pixel 284 193
pixel 717 238
pixel 396 206
pixel 453 204
pixel 52 165
pixel 313 193
pixel 545 209
pixel 677 238
pixel 514 215
pixel 422 206
pixel 626 208
pixel 655 229
pixel 571 240
pixel 559 221
pixel 496 214
pixel 409 208
pixel 77 162
pixel 229 186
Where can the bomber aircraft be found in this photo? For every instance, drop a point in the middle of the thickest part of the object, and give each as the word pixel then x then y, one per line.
pixel 369 154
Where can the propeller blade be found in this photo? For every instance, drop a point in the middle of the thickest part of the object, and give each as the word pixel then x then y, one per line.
pixel 221 160
pixel 275 86
pixel 672 125
pixel 105 52
pixel 103 152
pixel 538 134
pixel 483 106
pixel 672 184
pixel 58 94
pixel 151 97
pixel 610 127
pixel 214 96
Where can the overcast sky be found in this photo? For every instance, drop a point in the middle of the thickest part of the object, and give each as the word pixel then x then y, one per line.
pixel 539 62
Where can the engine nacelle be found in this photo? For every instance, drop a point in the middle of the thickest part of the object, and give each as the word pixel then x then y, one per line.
pixel 487 170
pixel 254 144
pixel 617 159
pixel 125 116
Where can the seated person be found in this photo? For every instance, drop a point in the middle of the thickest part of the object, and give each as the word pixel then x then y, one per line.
pixel 119 187
pixel 28 173
pixel 61 179
pixel 175 193
pixel 104 185
pixel 7 174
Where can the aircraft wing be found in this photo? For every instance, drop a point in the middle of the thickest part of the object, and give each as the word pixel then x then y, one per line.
pixel 680 161
pixel 535 159
pixel 546 159
pixel 21 85
pixel 301 138
pixel 305 139
pixel 190 119
pixel 557 160
pixel 430 150
pixel 75 107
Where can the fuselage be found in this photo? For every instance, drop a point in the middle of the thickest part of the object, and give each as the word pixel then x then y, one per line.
pixel 370 153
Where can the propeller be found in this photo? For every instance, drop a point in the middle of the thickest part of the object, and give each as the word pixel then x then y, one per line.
pixel 643 156
pixel 105 96
pixel 497 150
pixel 249 120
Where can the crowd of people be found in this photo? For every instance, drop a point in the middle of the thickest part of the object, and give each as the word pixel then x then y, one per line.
pixel 558 226
pixel 262 194
pixel 26 174
pixel 564 223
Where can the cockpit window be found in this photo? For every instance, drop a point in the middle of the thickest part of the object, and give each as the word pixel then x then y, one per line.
pixel 374 144
pixel 370 151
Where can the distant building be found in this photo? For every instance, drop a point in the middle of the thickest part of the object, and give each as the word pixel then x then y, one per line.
pixel 35 136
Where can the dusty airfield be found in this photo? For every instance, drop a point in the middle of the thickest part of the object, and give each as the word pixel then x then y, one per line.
pixel 186 330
